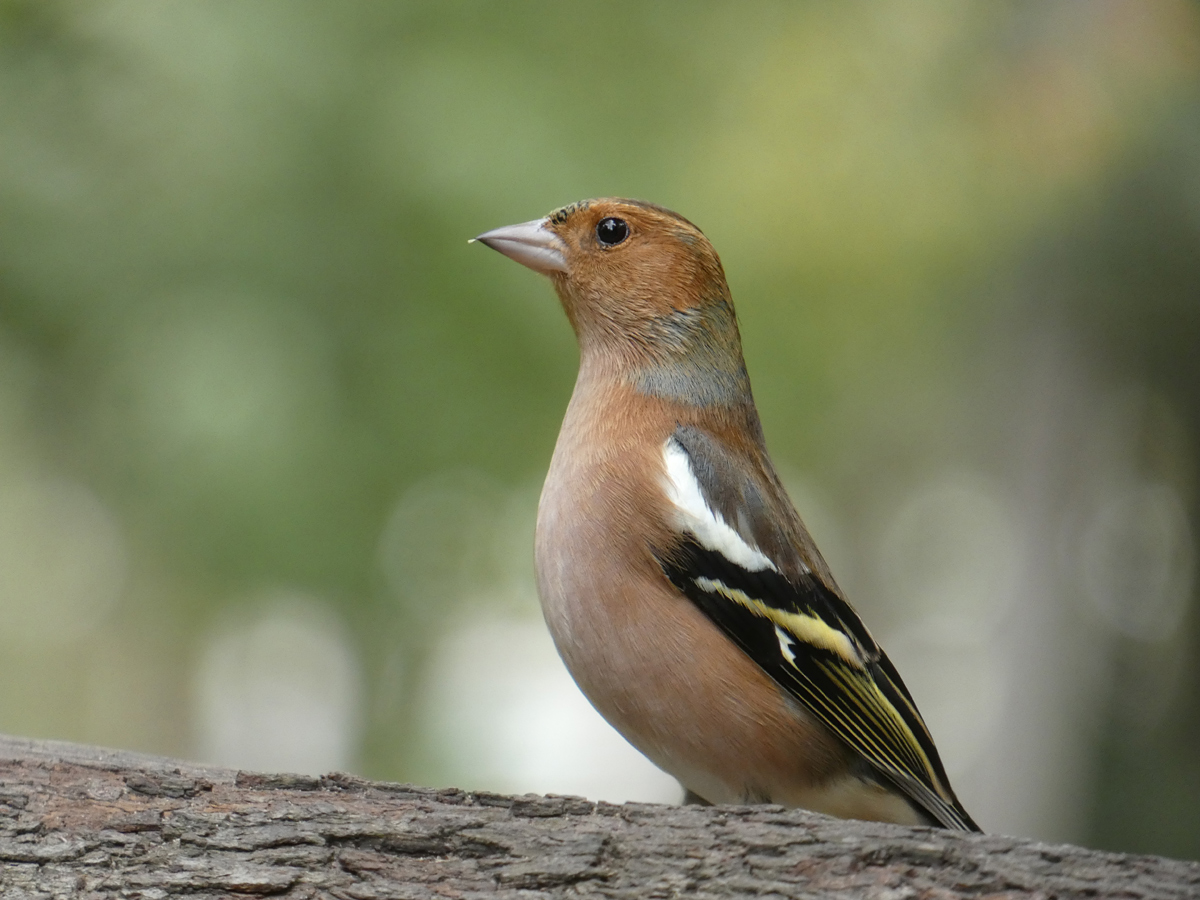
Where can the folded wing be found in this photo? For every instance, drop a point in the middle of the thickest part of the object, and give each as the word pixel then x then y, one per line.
pixel 793 624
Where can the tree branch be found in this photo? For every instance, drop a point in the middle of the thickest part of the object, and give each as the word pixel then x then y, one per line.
pixel 85 822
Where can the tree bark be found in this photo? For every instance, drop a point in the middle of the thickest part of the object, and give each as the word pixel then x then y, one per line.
pixel 84 822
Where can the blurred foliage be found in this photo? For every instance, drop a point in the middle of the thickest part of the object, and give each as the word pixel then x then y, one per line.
pixel 241 330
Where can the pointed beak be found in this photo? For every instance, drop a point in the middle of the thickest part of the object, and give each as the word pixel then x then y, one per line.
pixel 531 244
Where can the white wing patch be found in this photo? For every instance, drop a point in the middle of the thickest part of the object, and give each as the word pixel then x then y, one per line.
pixel 785 645
pixel 695 516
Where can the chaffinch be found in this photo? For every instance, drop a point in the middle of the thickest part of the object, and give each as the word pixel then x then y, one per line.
pixel 683 592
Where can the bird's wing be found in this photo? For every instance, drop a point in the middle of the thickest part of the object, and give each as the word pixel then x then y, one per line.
pixel 766 592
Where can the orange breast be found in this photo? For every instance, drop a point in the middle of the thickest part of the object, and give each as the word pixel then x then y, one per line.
pixel 649 661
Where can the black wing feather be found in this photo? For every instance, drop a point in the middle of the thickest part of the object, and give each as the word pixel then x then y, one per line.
pixel 852 688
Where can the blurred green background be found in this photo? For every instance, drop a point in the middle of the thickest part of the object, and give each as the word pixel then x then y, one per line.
pixel 272 433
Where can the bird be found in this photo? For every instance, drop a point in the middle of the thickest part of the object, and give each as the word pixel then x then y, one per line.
pixel 679 584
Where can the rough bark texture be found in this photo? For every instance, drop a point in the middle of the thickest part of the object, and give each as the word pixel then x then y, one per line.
pixel 85 822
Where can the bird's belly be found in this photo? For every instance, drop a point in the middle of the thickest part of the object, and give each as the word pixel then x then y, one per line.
pixel 703 712
pixel 676 688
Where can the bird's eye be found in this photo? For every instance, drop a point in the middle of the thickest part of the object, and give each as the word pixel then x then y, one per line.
pixel 611 231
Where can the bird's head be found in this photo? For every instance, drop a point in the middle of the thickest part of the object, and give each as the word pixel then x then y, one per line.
pixel 644 291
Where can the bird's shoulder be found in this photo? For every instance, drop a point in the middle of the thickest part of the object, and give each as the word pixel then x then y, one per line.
pixel 737 482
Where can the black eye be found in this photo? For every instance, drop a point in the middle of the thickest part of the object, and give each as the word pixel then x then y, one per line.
pixel 611 231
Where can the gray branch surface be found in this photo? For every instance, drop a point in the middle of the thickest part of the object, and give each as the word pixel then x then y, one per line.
pixel 84 822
